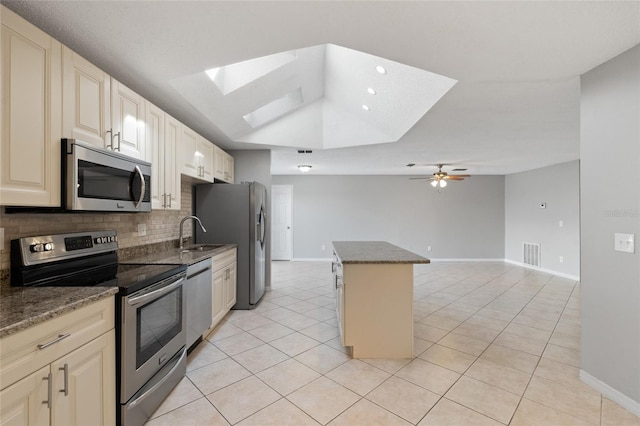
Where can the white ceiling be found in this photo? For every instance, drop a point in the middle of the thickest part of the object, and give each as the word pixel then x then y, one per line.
pixel 515 106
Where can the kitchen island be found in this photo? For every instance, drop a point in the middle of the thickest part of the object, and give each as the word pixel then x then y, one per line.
pixel 373 286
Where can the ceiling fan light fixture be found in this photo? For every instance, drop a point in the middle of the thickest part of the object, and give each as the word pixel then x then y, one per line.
pixel 443 183
pixel 304 168
pixel 434 183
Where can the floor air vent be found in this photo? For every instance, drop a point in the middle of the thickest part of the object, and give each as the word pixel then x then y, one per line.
pixel 531 254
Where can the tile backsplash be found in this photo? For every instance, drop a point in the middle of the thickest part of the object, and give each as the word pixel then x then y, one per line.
pixel 162 225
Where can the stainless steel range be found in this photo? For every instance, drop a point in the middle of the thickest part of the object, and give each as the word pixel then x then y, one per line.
pixel 150 309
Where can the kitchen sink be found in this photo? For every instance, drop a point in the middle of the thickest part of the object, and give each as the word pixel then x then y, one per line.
pixel 201 247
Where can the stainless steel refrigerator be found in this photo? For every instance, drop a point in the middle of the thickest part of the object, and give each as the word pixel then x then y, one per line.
pixel 235 214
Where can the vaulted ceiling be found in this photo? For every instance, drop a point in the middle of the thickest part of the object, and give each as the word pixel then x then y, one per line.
pixel 515 106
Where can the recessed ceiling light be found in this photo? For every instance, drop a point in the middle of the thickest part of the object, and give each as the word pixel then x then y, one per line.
pixel 304 168
pixel 381 69
pixel 371 90
pixel 365 107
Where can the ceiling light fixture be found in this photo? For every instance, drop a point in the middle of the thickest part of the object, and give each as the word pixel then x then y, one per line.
pixel 371 90
pixel 365 107
pixel 381 69
pixel 304 168
pixel 439 183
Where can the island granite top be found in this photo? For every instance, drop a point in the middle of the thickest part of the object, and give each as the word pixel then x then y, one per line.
pixel 23 307
pixel 374 252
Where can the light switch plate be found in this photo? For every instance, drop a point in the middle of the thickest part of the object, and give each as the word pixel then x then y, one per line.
pixel 142 229
pixel 625 243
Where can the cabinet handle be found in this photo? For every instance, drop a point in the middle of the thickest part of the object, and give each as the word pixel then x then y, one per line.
pixel 114 147
pixel 66 379
pixel 111 138
pixel 169 200
pixel 54 341
pixel 164 200
pixel 49 381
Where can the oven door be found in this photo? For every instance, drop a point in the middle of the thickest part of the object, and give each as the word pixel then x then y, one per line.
pixel 101 180
pixel 153 330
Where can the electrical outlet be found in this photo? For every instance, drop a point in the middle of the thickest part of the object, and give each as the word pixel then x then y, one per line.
pixel 428 248
pixel 561 223
pixel 323 247
pixel 561 259
pixel 625 243
pixel 1 238
pixel 142 229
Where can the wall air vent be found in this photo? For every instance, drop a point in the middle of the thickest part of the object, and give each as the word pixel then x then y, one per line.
pixel 531 254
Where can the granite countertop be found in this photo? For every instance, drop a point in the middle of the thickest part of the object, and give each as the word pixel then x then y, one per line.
pixel 177 256
pixel 23 307
pixel 375 252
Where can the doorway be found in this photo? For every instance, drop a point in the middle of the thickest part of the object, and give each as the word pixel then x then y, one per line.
pixel 281 222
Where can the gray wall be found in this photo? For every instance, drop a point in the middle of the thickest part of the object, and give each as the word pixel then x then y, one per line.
pixel 465 220
pixel 250 166
pixel 559 187
pixel 610 203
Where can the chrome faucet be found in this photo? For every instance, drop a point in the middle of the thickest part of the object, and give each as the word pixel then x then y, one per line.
pixel 182 223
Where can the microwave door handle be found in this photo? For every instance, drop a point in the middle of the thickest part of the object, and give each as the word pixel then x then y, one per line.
pixel 155 294
pixel 143 187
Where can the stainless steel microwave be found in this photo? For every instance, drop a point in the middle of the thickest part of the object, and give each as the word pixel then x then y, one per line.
pixel 96 179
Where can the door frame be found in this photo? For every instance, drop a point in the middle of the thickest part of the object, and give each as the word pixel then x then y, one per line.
pixel 289 188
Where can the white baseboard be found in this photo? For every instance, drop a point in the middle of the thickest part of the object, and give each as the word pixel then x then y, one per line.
pixel 614 395
pixel 548 271
pixel 444 259
pixel 311 259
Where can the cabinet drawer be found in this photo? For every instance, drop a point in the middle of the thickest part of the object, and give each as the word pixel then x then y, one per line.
pixel 20 353
pixel 223 260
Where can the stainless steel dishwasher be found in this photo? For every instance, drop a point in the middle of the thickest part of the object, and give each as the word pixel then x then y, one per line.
pixel 198 291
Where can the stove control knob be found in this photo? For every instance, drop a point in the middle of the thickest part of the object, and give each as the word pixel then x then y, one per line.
pixel 96 240
pixel 36 248
pixel 48 246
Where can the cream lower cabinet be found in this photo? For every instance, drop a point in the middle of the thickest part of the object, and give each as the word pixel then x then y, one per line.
pixel 31 122
pixel 61 372
pixel 224 285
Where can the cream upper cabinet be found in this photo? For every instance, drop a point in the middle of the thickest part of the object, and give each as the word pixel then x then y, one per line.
pixel 172 188
pixel 100 110
pixel 61 371
pixel 197 155
pixel 86 101
pixel 163 134
pixel 127 119
pixel 31 122
pixel 223 165
pixel 206 159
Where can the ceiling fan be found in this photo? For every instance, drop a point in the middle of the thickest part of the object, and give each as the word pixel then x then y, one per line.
pixel 439 179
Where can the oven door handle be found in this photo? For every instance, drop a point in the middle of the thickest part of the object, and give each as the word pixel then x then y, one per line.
pixel 160 383
pixel 155 294
pixel 143 186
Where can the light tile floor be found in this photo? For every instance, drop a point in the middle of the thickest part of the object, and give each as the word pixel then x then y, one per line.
pixel 494 344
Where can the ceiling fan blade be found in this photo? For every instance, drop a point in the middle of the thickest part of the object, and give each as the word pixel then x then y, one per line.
pixel 453 178
pixel 420 178
pixel 464 176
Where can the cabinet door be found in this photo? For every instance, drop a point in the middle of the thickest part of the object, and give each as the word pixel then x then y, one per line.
pixel 218 163
pixel 31 122
pixel 154 122
pixel 22 403
pixel 84 384
pixel 205 148
pixel 86 100
pixel 230 287
pixel 190 163
pixel 127 118
pixel 217 297
pixel 228 168
pixel 172 135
